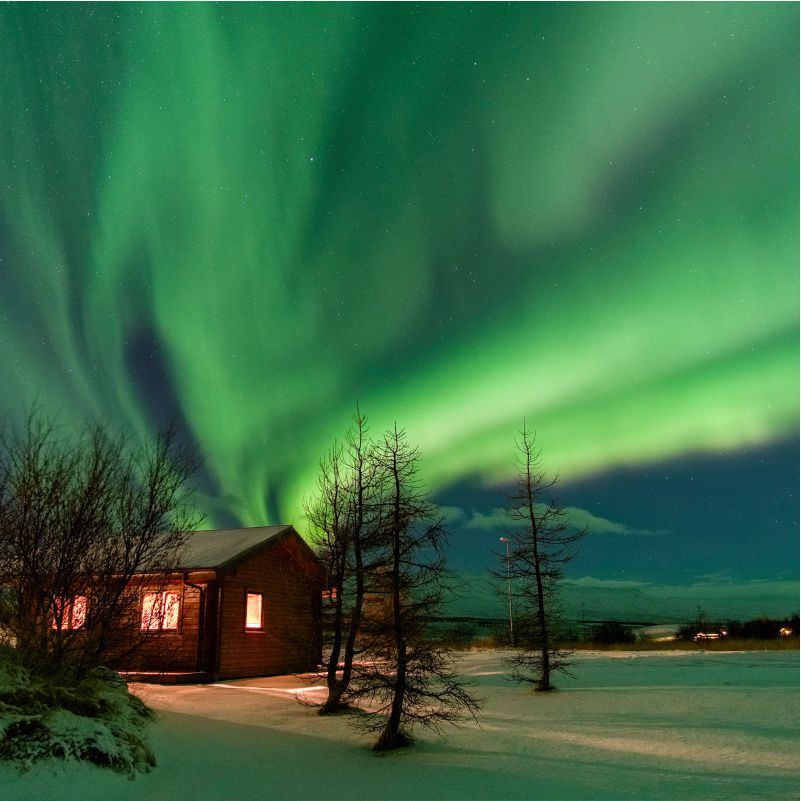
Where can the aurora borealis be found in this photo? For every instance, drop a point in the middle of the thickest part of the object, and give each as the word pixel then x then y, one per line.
pixel 248 217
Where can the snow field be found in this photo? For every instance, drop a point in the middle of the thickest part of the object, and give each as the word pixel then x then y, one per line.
pixel 660 725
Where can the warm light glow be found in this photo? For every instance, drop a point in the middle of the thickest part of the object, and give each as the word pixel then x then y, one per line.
pixel 172 602
pixel 78 612
pixel 160 610
pixel 150 612
pixel 706 635
pixel 254 611
pixel 70 614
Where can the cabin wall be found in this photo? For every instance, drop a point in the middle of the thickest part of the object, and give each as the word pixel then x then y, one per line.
pixel 170 651
pixel 290 640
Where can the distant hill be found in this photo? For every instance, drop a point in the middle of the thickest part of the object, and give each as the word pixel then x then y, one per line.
pixel 592 599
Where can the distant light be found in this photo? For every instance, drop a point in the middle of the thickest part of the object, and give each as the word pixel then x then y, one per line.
pixel 706 635
pixel 504 539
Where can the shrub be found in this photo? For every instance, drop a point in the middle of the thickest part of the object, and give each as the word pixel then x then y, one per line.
pixel 611 632
pixel 95 719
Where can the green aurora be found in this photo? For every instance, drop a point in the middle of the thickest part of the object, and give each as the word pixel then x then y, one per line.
pixel 251 216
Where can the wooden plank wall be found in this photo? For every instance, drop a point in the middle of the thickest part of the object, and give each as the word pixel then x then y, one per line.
pixel 290 640
pixel 172 651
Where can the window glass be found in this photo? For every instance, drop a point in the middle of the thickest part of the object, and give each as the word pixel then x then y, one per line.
pixel 70 613
pixel 151 603
pixel 160 610
pixel 78 612
pixel 253 612
pixel 172 602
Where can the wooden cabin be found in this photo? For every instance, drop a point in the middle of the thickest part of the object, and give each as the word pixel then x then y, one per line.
pixel 245 602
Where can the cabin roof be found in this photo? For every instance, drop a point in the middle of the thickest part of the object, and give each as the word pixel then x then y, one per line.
pixel 221 547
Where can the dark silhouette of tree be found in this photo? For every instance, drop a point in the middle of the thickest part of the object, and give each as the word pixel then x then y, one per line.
pixel 610 632
pixel 81 514
pixel 701 624
pixel 408 678
pixel 540 544
pixel 763 628
pixel 345 518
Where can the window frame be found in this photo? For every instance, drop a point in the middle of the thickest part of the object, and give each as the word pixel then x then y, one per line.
pixel 67 608
pixel 254 629
pixel 162 612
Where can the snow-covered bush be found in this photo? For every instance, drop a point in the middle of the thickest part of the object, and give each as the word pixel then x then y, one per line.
pixel 95 719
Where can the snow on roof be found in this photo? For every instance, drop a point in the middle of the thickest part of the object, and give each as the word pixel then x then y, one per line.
pixel 217 548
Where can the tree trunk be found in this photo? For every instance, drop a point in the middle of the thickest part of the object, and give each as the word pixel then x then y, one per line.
pixel 333 701
pixel 391 736
pixel 544 683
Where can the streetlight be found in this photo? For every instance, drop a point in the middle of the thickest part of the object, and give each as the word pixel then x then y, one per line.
pixel 509 592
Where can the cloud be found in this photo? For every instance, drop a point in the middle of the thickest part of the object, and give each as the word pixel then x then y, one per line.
pixel 453 514
pixel 581 518
pixel 593 598
pixel 498 520
pixel 604 584
pixel 492 521
pixel 600 598
pixel 746 590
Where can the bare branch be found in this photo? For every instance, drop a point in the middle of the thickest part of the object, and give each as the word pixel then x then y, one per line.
pixel 80 514
pixel 540 543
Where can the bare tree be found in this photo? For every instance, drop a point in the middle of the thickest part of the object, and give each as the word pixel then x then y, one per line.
pixel 345 518
pixel 540 544
pixel 81 514
pixel 407 677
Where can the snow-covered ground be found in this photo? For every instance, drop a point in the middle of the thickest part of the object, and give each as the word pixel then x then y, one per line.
pixel 666 725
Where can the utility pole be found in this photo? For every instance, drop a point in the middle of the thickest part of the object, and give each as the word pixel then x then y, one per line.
pixel 509 592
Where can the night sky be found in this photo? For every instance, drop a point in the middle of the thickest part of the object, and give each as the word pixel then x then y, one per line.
pixel 247 217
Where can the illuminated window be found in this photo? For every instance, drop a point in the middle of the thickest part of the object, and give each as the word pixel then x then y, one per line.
pixel 78 612
pixel 254 610
pixel 70 613
pixel 160 610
